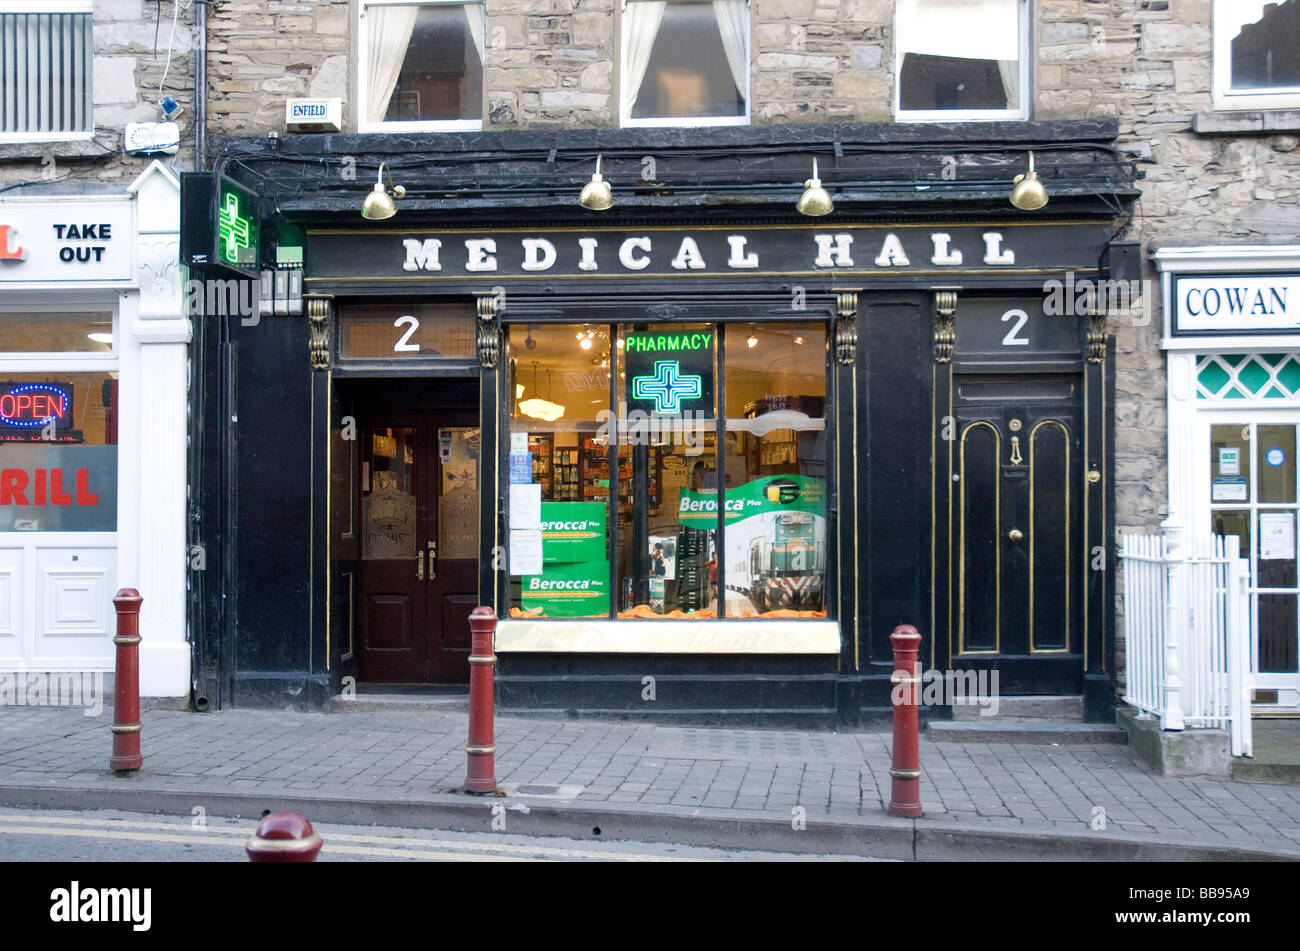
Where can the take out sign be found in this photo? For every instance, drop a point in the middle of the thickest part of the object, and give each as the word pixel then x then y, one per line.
pixel 76 241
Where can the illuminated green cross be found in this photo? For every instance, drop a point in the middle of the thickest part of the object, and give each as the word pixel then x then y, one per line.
pixel 233 230
pixel 666 387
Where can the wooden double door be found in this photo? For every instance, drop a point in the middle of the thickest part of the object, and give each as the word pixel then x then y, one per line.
pixel 417 577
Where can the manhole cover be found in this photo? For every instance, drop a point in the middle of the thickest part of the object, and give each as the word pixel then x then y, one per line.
pixel 533 789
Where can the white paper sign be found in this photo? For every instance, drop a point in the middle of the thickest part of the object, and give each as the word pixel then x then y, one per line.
pixel 518 442
pixel 525 552
pixel 526 507
pixel 1276 535
pixel 1229 461
pixel 1230 489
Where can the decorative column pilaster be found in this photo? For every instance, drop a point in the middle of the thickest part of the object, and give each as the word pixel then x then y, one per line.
pixel 320 310
pixel 846 326
pixel 489 334
pixel 945 332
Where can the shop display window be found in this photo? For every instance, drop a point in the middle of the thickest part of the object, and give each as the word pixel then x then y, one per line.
pixel 58 451
pixel 615 457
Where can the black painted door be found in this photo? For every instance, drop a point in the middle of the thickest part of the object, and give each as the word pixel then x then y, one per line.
pixel 417 577
pixel 1017 525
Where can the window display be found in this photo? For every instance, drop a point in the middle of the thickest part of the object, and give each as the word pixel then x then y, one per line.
pixel 641 486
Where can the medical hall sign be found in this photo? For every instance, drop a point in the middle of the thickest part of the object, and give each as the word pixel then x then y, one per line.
pixel 692 253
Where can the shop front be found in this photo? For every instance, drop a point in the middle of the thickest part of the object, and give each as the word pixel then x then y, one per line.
pixel 1232 336
pixel 700 460
pixel 92 432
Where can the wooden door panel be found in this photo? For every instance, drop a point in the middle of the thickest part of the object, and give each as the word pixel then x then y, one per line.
pixel 389 622
pixel 981 556
pixel 1051 536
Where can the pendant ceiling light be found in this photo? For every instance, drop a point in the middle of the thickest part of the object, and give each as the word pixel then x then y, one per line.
pixel 815 201
pixel 538 408
pixel 1029 193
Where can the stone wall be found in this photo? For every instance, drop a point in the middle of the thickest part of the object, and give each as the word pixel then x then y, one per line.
pixel 132 40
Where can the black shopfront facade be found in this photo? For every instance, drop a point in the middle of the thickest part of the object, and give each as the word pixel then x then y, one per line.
pixel 699 452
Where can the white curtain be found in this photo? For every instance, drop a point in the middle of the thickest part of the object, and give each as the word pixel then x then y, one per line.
pixel 388 37
pixel 640 27
pixel 476 16
pixel 966 29
pixel 1009 71
pixel 733 24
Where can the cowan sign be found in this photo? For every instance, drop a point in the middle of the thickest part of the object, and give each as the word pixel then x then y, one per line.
pixel 1237 303
pixel 700 252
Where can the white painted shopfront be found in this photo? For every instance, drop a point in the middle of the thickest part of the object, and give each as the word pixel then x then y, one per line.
pixel 1232 339
pixel 93 352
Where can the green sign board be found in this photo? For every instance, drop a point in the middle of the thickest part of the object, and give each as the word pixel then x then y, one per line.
pixel 580 589
pixel 670 372
pixel 238 228
pixel 786 493
pixel 573 531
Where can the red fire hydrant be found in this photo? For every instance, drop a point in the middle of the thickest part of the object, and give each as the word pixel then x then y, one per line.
pixel 480 766
pixel 283 837
pixel 905 774
pixel 126 756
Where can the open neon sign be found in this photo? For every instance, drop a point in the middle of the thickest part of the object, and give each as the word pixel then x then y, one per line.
pixel 33 405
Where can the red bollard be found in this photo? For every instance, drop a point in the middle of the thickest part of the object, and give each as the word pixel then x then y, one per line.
pixel 905 773
pixel 283 837
pixel 480 766
pixel 126 756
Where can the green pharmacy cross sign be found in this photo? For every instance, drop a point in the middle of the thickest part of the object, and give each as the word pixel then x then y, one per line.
pixel 670 371
pixel 237 228
pixel 667 387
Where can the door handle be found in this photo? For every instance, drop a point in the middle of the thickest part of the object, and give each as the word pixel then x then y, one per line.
pixel 419 566
pixel 1015 534
pixel 433 554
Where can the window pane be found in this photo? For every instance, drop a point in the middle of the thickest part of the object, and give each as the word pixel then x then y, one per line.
pixel 1230 463
pixel 1277 634
pixel 1234 523
pixel 1277 564
pixel 690 69
pixel 442 74
pixel 776 459
pixel 559 443
pixel 1265 43
pixel 412 332
pixel 45 72
pixel 667 434
pixel 54 333
pixel 1275 446
pixel 388 494
pixel 959 54
pixel 58 452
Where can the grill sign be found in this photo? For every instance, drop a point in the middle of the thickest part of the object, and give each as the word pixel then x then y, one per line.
pixel 30 407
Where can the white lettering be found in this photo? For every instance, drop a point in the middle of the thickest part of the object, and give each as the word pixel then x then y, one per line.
pixel 588 260
pixel 479 254
pixel 941 253
pixel 891 253
pixel 421 255
pixel 833 250
pixel 625 250
pixel 688 256
pixel 739 256
pixel 993 253
pixel 539 254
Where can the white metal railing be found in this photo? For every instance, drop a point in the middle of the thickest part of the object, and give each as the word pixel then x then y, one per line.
pixel 1187 631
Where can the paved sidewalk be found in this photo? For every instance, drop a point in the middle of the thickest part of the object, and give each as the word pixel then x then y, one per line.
pixel 691 785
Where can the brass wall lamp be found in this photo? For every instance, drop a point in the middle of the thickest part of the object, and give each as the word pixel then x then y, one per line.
pixel 596 194
pixel 1028 193
pixel 815 201
pixel 378 204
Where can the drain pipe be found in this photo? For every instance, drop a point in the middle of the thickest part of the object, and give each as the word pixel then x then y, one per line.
pixel 200 85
